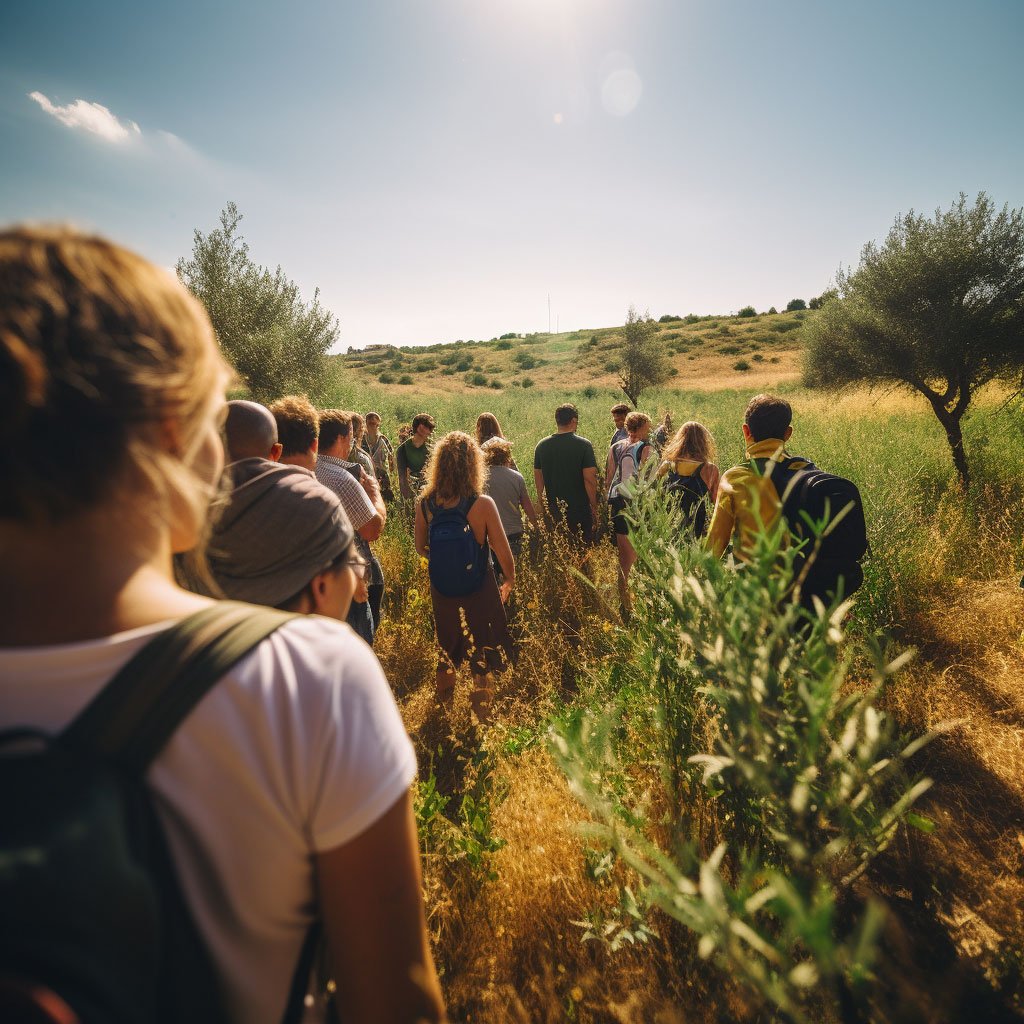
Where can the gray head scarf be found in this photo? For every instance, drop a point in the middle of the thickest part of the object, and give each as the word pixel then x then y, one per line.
pixel 278 529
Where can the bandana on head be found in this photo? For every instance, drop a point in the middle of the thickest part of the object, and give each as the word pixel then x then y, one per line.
pixel 279 528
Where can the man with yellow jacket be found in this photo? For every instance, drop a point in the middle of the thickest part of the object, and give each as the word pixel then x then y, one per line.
pixel 748 501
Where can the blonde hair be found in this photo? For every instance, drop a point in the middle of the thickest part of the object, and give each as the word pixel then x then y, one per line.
pixel 691 441
pixel 100 352
pixel 497 451
pixel 635 420
pixel 454 470
pixel 298 424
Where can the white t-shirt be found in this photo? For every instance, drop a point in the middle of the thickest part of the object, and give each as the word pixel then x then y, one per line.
pixel 298 750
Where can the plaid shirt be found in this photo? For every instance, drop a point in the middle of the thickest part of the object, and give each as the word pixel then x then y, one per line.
pixel 334 475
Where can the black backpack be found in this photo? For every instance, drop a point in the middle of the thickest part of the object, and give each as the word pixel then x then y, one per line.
pixel 692 497
pixel 811 496
pixel 457 564
pixel 92 910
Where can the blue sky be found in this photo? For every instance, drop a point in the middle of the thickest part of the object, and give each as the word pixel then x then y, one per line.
pixel 438 167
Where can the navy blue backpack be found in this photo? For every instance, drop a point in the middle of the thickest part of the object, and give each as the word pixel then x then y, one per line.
pixel 457 563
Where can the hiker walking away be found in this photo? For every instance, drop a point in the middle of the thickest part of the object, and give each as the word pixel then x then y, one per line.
pixel 487 426
pixel 457 526
pixel 689 474
pixel 636 451
pixel 773 483
pixel 565 477
pixel 507 487
pixel 281 798
pixel 664 431
pixel 250 431
pixel 365 508
pixel 411 455
pixel 378 447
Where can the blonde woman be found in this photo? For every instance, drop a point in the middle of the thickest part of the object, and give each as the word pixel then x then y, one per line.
pixel 689 473
pixel 284 794
pixel 457 525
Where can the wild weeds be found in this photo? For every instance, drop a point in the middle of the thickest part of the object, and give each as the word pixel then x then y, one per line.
pixel 777 779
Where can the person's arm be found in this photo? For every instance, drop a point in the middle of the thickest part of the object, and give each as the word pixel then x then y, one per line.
pixel 531 512
pixel 538 483
pixel 590 483
pixel 366 520
pixel 372 487
pixel 420 533
pixel 722 522
pixel 372 908
pixel 496 537
pixel 711 478
pixel 403 473
pixel 609 468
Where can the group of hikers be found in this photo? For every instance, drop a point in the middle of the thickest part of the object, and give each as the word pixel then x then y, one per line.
pixel 135 501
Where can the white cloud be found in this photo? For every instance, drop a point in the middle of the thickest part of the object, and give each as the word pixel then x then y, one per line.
pixel 93 117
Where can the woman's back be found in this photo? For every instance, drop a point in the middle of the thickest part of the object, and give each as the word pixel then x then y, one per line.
pixel 299 744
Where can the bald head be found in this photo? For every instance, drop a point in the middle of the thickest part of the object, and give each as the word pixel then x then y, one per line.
pixel 251 432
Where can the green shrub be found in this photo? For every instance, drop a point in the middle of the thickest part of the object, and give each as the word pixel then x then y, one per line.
pixel 731 350
pixel 524 360
pixel 405 379
pixel 503 345
pixel 386 378
pixel 773 311
pixel 465 363
pixel 757 357
pixel 527 382
pixel 795 304
pixel 496 384
pixel 424 366
pixel 668 318
pixel 476 380
pixel 783 326
pixel 747 311
pixel 506 337
pixel 728 724
pixel 741 364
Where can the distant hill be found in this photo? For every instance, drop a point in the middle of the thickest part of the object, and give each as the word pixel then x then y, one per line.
pixel 707 353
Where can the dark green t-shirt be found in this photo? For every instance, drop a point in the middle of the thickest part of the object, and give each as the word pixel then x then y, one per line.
pixel 562 459
pixel 410 457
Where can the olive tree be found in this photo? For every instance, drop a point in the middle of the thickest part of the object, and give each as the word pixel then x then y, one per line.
pixel 642 361
pixel 275 341
pixel 937 308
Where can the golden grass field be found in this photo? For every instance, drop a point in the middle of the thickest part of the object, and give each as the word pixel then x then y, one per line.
pixel 508 905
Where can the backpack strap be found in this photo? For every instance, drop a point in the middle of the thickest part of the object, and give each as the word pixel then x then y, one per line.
pixel 134 715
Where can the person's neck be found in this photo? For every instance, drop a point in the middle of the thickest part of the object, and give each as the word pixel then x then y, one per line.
pixel 307 460
pixel 88 577
pixel 565 430
pixel 371 436
pixel 417 441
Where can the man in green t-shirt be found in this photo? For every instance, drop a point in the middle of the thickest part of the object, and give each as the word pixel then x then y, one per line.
pixel 565 473
pixel 411 455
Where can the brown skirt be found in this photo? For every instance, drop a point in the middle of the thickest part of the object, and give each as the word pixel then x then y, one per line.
pixel 473 628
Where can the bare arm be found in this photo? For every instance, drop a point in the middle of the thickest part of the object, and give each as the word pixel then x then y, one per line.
pixel 420 534
pixel 590 483
pixel 531 512
pixel 538 483
pixel 403 474
pixel 496 537
pixel 372 488
pixel 372 908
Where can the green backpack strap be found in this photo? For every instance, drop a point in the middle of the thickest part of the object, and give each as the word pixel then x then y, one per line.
pixel 134 715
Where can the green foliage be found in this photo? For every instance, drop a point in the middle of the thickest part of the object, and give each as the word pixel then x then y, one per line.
pixel 747 311
pixel 386 378
pixel 741 364
pixel 773 311
pixel 668 318
pixel 764 751
pixel 819 300
pixel 641 362
pixel 275 341
pixel 405 379
pixel 503 345
pixel 524 360
pixel 527 382
pixel 476 380
pixel 506 337
pixel 795 304
pixel 938 308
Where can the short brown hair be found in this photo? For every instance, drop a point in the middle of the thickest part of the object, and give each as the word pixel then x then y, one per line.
pixel 768 416
pixel 298 424
pixel 334 423
pixel 497 451
pixel 565 414
pixel 635 420
pixel 422 419
pixel 620 410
